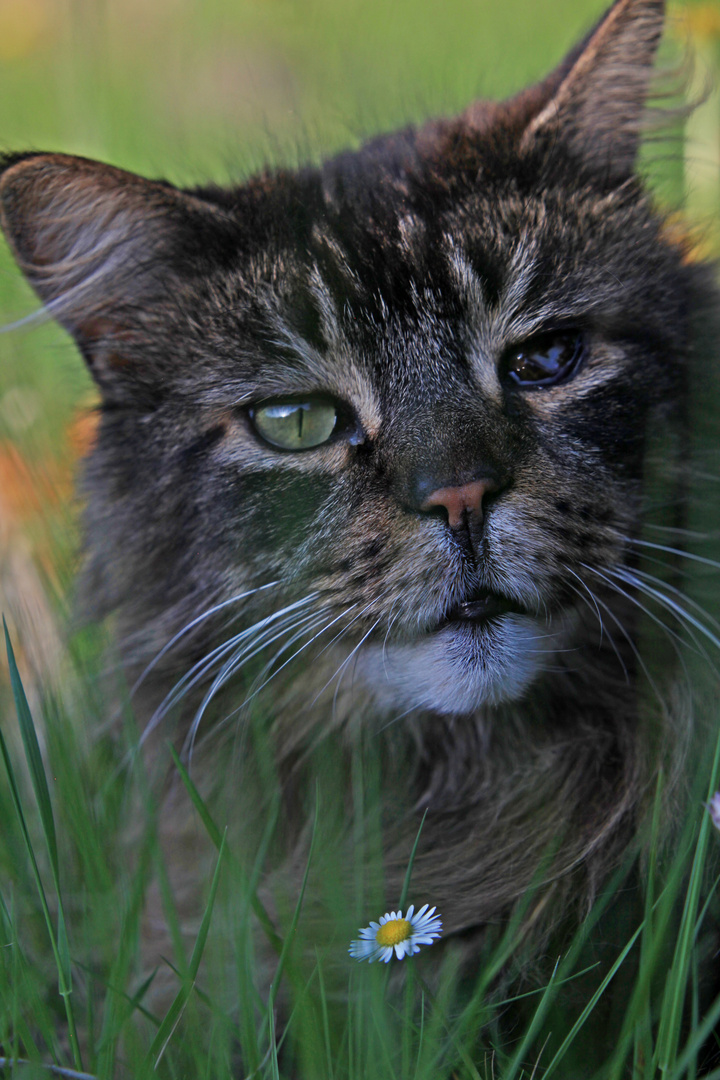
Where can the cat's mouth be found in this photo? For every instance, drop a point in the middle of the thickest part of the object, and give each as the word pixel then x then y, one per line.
pixel 482 607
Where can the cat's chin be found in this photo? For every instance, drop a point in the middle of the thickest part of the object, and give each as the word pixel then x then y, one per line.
pixel 459 668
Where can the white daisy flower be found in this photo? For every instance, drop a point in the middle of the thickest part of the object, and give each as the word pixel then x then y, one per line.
pixel 713 809
pixel 393 933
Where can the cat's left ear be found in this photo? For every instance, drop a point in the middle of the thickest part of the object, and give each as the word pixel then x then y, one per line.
pixel 597 108
pixel 108 253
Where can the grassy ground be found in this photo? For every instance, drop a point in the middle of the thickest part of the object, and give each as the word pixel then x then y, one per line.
pixel 193 92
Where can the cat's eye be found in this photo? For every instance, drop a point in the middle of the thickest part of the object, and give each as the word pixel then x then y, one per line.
pixel 296 425
pixel 544 360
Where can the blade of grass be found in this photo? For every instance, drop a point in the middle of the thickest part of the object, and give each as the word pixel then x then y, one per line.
pixel 676 986
pixel 289 937
pixel 642 1022
pixel 274 1064
pixel 408 873
pixel 214 833
pixel 662 910
pixel 118 1006
pixel 455 1042
pixel 269 1018
pixel 325 1019
pixel 567 1041
pixel 61 961
pixel 32 753
pixel 421 1035
pixel 695 1041
pixel 42 795
pixel 533 1027
pixel 21 1033
pixel 174 1013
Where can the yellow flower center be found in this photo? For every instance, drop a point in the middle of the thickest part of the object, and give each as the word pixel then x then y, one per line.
pixel 393 932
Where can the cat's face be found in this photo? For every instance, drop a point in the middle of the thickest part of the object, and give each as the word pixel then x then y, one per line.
pixel 405 396
pixel 461 430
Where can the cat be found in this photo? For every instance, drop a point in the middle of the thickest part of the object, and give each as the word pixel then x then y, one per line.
pixel 385 433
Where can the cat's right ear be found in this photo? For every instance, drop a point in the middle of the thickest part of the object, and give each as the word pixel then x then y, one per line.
pixel 101 247
pixel 599 92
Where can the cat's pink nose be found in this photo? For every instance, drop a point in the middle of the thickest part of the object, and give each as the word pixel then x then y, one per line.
pixel 468 498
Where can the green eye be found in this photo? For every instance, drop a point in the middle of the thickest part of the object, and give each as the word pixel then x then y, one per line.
pixel 295 425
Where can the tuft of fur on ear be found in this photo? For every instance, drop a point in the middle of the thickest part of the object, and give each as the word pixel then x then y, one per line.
pixel 598 108
pixel 99 245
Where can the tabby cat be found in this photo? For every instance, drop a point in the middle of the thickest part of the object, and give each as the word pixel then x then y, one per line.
pixel 384 434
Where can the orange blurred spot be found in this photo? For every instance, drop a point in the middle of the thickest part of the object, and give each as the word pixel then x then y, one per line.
pixel 695 248
pixel 27 489
pixel 82 433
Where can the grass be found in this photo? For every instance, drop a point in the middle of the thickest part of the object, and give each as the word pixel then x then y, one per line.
pixel 197 92
pixel 72 999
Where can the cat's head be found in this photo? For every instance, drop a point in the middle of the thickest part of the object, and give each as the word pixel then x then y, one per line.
pixel 399 403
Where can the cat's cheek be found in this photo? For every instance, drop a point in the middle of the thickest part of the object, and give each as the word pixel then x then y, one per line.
pixel 459 668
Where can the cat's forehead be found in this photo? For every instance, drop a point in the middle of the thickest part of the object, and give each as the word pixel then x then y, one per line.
pixel 419 278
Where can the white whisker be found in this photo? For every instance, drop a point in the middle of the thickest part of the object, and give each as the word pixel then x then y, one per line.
pixel 297 652
pixel 195 622
pixel 675 551
pixel 682 614
pixel 237 661
pixel 202 667
pixel 672 636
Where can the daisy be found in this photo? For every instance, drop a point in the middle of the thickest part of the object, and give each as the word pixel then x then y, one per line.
pixel 404 936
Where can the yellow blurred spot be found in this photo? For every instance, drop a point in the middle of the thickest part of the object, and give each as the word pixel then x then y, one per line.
pixel 701 20
pixel 22 25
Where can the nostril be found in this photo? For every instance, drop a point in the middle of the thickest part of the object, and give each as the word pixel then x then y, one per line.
pixel 459 503
pixel 490 495
pixel 437 511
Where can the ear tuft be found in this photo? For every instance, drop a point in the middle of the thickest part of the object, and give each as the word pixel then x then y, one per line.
pixel 597 110
pixel 73 225
pixel 100 246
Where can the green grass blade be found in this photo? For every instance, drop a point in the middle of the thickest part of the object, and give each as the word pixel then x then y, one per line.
pixel 569 1038
pixel 197 800
pixel 174 1013
pixel 42 794
pixel 325 1019
pixel 452 1036
pixel 533 1027
pixel 421 1036
pixel 59 960
pixel 695 1041
pixel 216 836
pixel 13 987
pixel 290 936
pixel 408 872
pixel 32 753
pixel 676 986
